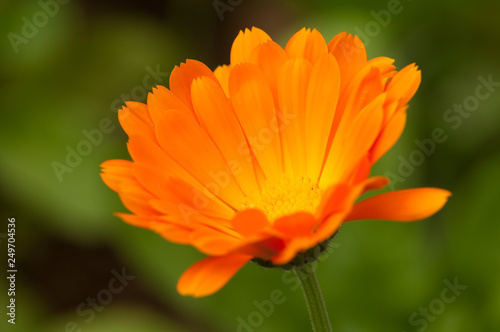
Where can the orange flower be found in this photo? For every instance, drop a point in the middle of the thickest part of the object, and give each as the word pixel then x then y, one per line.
pixel 266 157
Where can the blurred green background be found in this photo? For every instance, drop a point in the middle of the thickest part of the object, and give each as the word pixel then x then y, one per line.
pixel 82 59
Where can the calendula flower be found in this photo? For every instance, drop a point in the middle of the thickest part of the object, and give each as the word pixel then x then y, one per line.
pixel 266 157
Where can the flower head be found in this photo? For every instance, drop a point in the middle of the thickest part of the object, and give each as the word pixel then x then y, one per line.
pixel 266 157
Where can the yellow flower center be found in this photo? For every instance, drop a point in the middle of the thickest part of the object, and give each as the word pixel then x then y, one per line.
pixel 285 196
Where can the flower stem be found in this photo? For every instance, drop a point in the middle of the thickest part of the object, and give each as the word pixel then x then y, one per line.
pixel 314 299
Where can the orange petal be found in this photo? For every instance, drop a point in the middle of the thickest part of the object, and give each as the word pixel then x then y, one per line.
pixel 171 232
pixel 135 119
pixel 116 171
pixel 352 142
pixel 180 195
pixel 250 222
pixel 217 117
pixel 161 101
pixel 118 176
pixel 213 242
pixel 307 44
pixel 389 135
pixel 136 198
pixel 222 74
pixel 350 54
pixel 375 183
pixel 299 224
pixel 292 91
pixel 134 220
pixel 384 65
pixel 263 246
pixel 404 84
pixel 321 102
pixel 189 204
pixel 245 43
pixel 362 90
pixel 362 172
pixel 153 167
pixel 401 205
pixel 210 274
pixel 270 57
pixel 337 202
pixel 292 248
pixel 182 76
pixel 170 182
pixel 254 106
pixel 187 143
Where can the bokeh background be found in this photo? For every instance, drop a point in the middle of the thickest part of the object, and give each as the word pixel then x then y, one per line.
pixel 84 58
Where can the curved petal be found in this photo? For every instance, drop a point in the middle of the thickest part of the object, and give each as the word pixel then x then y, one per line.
pixel 306 44
pixel 182 77
pixel 222 74
pixel 245 43
pixel 295 225
pixel 363 89
pixel 118 175
pixel 375 183
pixel 352 142
pixel 292 248
pixel 292 91
pixel 187 143
pixel 153 167
pixel 263 246
pixel 136 198
pixel 250 222
pixel 385 66
pixel 134 220
pixel 350 54
pixel 161 100
pixel 216 116
pixel 210 274
pixel 135 119
pixel 389 135
pixel 214 242
pixel 270 57
pixel 254 106
pixel 404 84
pixel 188 204
pixel 401 205
pixel 321 103
pixel 337 203
pixel 115 171
pixel 171 231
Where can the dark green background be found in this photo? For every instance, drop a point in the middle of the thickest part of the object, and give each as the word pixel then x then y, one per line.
pixel 67 78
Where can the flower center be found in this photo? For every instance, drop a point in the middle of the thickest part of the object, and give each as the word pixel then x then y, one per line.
pixel 285 196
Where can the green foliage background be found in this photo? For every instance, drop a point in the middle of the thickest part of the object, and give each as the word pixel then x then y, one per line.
pixel 67 78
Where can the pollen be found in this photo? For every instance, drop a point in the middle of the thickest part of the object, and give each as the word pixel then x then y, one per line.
pixel 285 196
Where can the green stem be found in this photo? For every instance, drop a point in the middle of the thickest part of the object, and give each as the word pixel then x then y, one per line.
pixel 314 298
